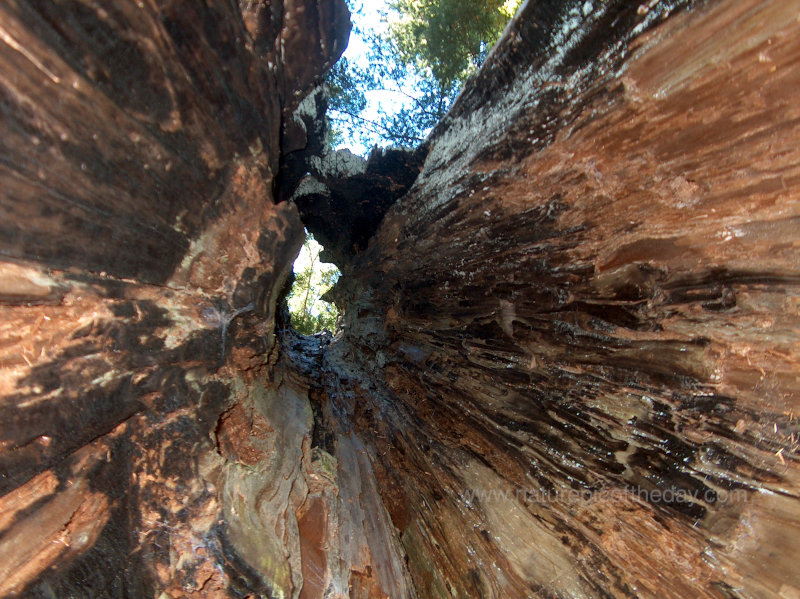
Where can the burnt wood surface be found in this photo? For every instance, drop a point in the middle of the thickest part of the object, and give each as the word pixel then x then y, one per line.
pixel 569 358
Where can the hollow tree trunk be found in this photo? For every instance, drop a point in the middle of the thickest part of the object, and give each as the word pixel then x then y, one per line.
pixel 569 360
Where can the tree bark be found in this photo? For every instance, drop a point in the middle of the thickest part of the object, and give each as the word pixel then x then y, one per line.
pixel 569 359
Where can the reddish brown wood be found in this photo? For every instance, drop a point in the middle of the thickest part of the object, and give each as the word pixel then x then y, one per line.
pixel 570 355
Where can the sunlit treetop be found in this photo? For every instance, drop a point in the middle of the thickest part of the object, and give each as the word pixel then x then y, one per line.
pixel 447 38
pixel 312 278
pixel 416 62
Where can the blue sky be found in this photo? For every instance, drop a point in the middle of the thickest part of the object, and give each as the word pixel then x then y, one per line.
pixel 369 15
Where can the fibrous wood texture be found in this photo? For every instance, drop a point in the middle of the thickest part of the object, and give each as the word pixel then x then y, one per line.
pixel 585 324
pixel 569 359
pixel 142 257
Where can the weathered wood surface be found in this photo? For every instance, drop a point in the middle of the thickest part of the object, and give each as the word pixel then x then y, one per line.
pixel 581 325
pixel 569 367
pixel 142 259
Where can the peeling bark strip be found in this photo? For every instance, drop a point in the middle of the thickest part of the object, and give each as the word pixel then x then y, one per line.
pixel 569 366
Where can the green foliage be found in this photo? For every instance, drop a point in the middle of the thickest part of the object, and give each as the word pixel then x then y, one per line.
pixel 448 38
pixel 429 49
pixel 308 312
pixel 405 126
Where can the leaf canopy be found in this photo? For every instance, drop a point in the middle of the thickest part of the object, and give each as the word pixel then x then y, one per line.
pixel 429 49
pixel 308 313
